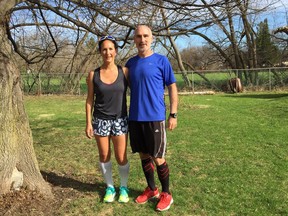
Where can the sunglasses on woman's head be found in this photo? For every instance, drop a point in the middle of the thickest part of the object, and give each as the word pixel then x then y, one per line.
pixel 107 37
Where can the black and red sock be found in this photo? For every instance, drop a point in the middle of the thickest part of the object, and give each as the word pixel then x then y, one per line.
pixel 148 169
pixel 163 175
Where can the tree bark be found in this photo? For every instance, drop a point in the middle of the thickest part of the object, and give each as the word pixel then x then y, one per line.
pixel 16 143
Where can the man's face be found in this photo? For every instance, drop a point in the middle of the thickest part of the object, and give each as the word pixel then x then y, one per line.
pixel 143 38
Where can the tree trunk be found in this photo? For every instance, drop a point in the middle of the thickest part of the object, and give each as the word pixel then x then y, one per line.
pixel 178 55
pixel 232 35
pixel 17 155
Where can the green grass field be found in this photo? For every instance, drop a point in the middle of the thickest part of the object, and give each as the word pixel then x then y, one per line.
pixel 228 156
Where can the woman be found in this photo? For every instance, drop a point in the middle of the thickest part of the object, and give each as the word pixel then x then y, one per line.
pixel 108 85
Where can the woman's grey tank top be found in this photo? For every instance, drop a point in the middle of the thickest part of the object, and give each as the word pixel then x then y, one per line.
pixel 110 99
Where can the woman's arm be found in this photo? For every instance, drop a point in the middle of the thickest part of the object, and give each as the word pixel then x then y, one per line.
pixel 89 105
pixel 126 73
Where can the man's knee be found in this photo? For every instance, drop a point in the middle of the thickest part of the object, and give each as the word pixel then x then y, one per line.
pixel 159 161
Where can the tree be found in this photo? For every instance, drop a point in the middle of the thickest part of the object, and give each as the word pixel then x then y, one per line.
pixel 283 29
pixel 267 51
pixel 281 36
pixel 16 146
pixel 201 58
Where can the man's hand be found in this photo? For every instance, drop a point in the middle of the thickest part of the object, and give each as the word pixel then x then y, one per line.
pixel 172 123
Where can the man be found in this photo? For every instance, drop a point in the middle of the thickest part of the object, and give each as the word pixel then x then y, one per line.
pixel 149 73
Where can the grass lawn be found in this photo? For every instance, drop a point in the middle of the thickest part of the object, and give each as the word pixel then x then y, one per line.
pixel 228 156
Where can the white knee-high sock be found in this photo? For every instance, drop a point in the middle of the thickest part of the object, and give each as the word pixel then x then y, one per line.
pixel 106 169
pixel 124 172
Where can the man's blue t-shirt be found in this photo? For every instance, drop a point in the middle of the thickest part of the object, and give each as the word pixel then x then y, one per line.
pixel 148 78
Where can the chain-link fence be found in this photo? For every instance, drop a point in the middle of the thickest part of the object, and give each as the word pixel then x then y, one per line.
pixel 53 83
pixel 264 79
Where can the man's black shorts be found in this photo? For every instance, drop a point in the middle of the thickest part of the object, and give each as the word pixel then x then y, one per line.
pixel 148 138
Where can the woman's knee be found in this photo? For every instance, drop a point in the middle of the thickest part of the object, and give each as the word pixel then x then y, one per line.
pixel 122 160
pixel 104 158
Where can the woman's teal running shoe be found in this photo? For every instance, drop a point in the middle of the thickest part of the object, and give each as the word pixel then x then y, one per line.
pixel 123 197
pixel 110 194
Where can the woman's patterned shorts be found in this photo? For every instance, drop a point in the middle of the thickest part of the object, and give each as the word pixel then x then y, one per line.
pixel 116 127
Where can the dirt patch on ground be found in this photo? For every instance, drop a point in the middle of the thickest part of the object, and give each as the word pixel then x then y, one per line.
pixel 30 203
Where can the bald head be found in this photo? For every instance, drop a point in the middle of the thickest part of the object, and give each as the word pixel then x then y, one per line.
pixel 143 27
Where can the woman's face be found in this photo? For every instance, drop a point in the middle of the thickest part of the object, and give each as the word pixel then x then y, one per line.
pixel 108 51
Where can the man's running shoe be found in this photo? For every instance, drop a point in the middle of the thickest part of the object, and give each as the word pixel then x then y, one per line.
pixel 109 195
pixel 123 195
pixel 146 195
pixel 165 201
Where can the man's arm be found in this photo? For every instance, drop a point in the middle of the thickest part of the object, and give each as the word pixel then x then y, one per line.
pixel 173 97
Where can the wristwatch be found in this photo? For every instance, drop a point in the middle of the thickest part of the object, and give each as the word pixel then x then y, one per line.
pixel 173 115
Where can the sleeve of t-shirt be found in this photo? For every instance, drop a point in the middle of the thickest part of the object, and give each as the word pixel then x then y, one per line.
pixel 128 63
pixel 169 77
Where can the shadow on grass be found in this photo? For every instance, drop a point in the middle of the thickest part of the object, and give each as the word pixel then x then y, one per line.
pixel 259 96
pixel 68 182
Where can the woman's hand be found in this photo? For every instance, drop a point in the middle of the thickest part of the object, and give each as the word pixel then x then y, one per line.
pixel 89 131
